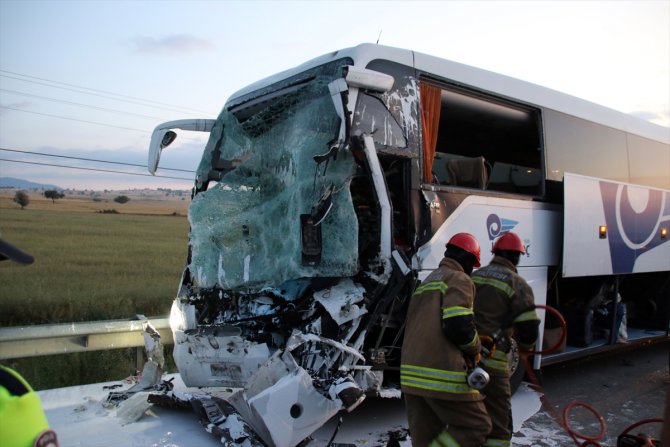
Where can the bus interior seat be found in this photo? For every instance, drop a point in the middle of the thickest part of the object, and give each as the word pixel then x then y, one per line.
pixel 468 172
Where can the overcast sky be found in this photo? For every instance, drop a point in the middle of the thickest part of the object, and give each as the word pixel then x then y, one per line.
pixel 91 79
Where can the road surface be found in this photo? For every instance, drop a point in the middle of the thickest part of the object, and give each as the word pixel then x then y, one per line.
pixel 624 388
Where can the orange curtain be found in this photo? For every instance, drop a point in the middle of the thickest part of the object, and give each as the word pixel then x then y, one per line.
pixel 430 122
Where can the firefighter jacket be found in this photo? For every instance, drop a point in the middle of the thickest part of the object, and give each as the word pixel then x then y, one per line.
pixel 504 302
pixel 439 334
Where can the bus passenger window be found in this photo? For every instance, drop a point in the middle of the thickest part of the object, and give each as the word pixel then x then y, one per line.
pixel 439 169
pixel 483 142
pixel 468 172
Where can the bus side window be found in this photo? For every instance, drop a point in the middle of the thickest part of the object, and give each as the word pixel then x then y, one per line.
pixel 483 142
pixel 468 172
pixel 440 172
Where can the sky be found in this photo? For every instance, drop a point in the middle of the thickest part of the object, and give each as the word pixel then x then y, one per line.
pixel 91 79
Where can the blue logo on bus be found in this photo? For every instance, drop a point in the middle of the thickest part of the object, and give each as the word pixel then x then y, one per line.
pixel 632 233
pixel 497 226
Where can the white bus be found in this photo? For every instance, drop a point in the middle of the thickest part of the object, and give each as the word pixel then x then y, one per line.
pixel 326 192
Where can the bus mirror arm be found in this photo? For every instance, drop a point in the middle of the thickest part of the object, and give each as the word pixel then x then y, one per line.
pixel 163 136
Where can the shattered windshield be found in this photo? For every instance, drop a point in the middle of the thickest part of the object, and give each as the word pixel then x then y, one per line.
pixel 271 213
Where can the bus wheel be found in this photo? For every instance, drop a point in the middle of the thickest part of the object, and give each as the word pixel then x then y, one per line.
pixel 516 371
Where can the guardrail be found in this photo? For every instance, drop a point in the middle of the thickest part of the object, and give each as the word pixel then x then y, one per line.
pixel 48 339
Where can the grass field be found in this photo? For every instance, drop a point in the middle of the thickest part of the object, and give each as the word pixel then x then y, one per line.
pixel 89 266
pixel 141 202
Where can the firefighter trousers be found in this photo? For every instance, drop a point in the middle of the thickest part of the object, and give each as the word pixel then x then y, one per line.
pixel 499 408
pixel 448 423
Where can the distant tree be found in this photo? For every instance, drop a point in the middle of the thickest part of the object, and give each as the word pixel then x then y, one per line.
pixel 53 195
pixel 121 199
pixel 21 197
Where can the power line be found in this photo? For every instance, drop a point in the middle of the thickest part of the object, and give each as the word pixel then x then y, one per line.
pixel 80 89
pixel 90 159
pixel 93 169
pixel 94 94
pixel 80 104
pixel 86 105
pixel 73 119
pixel 88 122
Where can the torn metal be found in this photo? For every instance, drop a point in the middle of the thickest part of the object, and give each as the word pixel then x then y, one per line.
pixel 132 403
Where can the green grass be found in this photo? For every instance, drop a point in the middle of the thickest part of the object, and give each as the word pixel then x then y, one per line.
pixel 88 266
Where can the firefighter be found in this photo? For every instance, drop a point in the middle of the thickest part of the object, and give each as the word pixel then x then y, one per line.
pixel 440 339
pixel 504 307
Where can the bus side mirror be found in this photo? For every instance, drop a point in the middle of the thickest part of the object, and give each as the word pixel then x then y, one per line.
pixel 160 139
pixel 163 136
pixel 168 138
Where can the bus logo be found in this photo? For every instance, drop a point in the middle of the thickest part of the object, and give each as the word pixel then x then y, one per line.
pixel 497 226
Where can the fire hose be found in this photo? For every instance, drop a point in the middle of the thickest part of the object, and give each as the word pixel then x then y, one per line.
pixel 625 439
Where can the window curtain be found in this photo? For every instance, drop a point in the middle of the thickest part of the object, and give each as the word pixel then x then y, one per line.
pixel 430 122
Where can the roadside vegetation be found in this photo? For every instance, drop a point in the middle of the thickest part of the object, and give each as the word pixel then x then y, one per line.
pixel 22 199
pixel 89 265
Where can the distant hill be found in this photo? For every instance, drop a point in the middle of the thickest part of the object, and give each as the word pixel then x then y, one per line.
pixel 9 182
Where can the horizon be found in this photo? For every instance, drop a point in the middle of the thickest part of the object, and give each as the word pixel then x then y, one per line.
pixel 84 85
pixel 37 186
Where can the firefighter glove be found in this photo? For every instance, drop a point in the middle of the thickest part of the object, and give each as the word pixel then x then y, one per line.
pixel 488 346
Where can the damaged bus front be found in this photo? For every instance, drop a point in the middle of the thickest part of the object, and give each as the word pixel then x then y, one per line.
pixel 327 191
pixel 294 290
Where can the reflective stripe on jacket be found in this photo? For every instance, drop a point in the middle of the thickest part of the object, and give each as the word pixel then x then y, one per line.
pixel 502 293
pixel 432 364
pixel 497 362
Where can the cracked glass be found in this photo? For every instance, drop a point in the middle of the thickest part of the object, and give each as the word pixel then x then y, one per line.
pixel 258 183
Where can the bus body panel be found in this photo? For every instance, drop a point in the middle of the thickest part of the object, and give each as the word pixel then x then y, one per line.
pixel 489 217
pixel 537 279
pixel 632 241
pixel 484 80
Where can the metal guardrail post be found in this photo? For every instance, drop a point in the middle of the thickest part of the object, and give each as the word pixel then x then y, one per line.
pixel 39 340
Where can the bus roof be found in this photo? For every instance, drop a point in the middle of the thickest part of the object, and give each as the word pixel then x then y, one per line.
pixel 484 80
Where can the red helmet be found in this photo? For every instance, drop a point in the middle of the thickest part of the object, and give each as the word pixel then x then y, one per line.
pixel 509 241
pixel 467 242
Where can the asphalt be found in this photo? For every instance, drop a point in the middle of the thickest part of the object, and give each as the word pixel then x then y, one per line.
pixel 622 387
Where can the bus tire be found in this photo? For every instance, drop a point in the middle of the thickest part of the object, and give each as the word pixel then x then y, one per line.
pixel 516 370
